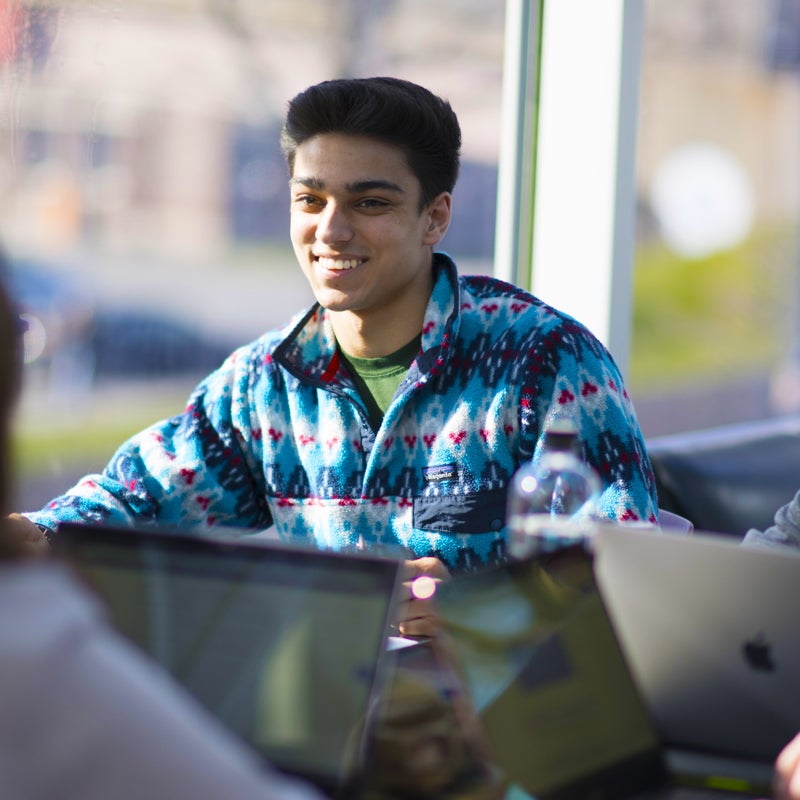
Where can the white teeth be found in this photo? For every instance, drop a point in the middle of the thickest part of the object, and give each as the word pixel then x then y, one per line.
pixel 338 264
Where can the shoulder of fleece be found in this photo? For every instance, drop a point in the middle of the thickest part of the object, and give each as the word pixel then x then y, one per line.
pixel 487 286
pixel 507 305
pixel 258 353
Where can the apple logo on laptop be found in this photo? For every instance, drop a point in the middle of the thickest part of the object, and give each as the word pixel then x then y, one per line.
pixel 758 654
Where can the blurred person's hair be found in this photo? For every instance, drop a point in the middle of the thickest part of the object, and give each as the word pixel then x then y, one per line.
pixel 10 377
pixel 389 110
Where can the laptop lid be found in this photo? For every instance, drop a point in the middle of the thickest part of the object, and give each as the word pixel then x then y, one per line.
pixel 711 630
pixel 285 646
pixel 545 673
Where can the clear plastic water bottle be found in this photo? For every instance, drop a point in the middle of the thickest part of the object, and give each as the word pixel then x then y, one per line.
pixel 552 502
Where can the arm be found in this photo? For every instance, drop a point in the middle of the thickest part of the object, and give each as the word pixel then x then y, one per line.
pixel 787 770
pixel 785 531
pixel 195 469
pixel 584 384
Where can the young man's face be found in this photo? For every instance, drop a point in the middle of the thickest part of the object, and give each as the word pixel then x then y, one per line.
pixel 357 228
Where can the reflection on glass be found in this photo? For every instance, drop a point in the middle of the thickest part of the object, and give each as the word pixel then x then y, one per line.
pixel 144 197
pixel 718 182
pixel 547 677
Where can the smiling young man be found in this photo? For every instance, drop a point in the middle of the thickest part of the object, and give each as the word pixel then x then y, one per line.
pixel 364 236
pixel 393 413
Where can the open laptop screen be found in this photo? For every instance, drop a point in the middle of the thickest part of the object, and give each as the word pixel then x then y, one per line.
pixel 711 630
pixel 282 645
pixel 547 677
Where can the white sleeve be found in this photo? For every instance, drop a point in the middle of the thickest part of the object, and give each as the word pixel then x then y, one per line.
pixel 785 531
pixel 92 719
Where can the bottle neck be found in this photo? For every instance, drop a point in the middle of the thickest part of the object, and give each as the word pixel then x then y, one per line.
pixel 562 442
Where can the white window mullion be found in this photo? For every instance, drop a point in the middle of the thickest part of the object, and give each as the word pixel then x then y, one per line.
pixel 583 227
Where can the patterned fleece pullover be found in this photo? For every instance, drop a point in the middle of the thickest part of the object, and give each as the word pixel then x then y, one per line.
pixel 278 435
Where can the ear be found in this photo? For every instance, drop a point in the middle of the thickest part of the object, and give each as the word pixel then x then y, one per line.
pixel 437 215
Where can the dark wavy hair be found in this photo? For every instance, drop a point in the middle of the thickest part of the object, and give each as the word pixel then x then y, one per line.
pixel 390 110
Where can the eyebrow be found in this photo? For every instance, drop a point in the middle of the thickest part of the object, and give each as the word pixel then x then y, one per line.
pixel 353 188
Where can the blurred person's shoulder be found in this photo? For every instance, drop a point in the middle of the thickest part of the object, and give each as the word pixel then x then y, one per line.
pixel 42 607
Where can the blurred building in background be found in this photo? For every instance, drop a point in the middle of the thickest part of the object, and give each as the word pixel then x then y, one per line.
pixel 154 126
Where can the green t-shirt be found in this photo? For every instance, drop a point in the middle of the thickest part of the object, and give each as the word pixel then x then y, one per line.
pixel 377 379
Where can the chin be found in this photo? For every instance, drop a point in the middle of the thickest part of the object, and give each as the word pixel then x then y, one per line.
pixel 331 303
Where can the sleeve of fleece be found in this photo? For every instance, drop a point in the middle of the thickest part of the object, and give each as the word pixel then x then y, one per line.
pixel 785 531
pixel 196 469
pixel 588 388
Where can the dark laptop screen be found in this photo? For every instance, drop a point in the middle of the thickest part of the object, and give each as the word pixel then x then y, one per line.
pixel 282 645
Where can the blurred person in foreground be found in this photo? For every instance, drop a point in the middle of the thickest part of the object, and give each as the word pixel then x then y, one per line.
pixel 785 531
pixel 84 715
pixel 392 414
pixel 787 771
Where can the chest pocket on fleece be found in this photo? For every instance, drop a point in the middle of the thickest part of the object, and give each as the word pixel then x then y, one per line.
pixel 481 512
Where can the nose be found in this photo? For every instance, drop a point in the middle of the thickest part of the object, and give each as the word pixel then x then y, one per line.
pixel 333 225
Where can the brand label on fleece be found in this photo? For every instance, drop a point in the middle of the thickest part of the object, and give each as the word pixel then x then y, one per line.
pixel 439 473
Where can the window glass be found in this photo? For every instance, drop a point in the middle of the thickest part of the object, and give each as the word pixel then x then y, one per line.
pixel 715 335
pixel 144 201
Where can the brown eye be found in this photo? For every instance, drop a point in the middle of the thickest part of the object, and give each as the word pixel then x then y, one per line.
pixel 308 201
pixel 373 203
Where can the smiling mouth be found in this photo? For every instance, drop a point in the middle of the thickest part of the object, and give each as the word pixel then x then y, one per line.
pixel 339 264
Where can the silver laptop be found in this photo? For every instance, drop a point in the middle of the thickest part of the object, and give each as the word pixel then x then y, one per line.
pixel 711 630
pixel 562 716
pixel 286 646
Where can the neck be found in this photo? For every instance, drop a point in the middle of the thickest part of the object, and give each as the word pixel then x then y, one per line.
pixel 372 334
pixel 357 337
